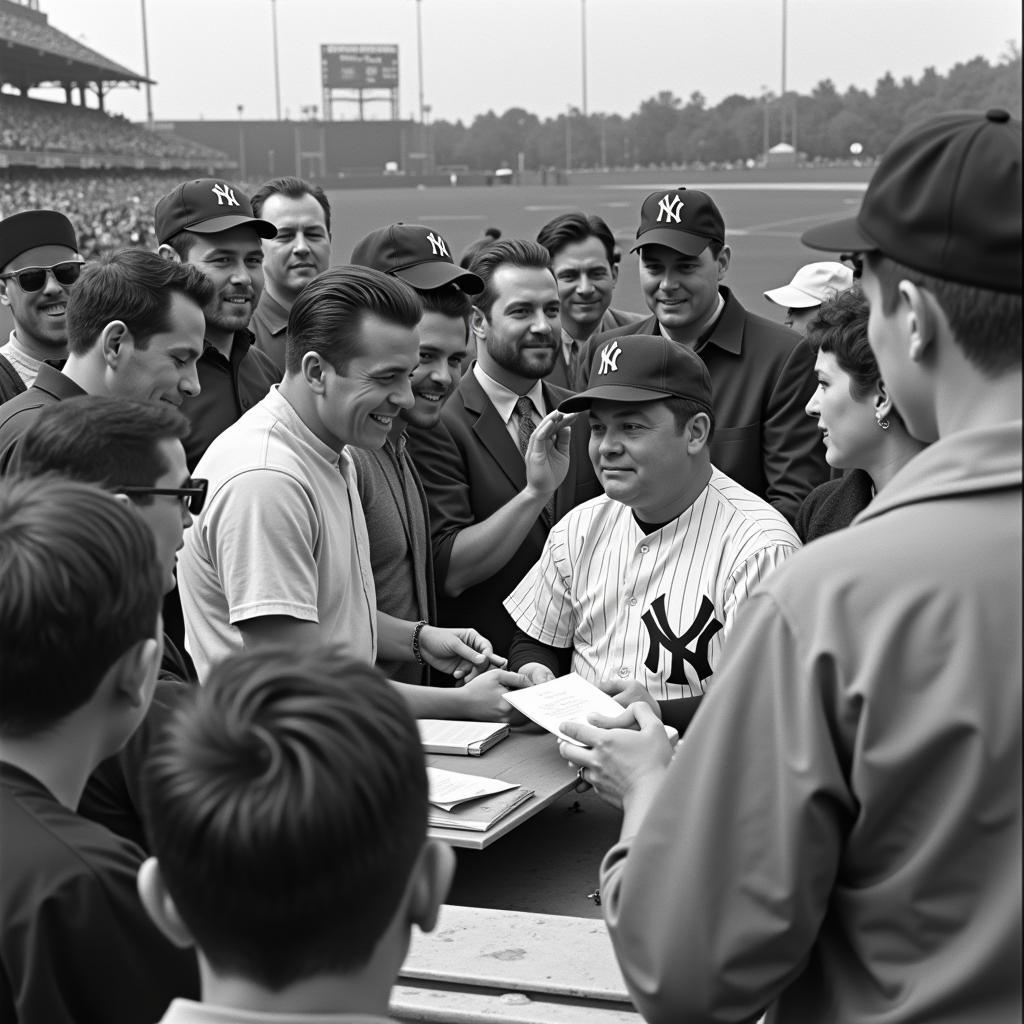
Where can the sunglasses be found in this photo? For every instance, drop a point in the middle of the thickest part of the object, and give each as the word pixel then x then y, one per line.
pixel 855 262
pixel 192 495
pixel 31 279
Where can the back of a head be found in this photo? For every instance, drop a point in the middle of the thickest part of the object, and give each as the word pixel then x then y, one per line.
pixel 135 287
pixel 328 314
pixel 79 587
pixel 287 808
pixel 470 253
pixel 111 442
pixel 515 252
pixel 568 228
pixel 292 188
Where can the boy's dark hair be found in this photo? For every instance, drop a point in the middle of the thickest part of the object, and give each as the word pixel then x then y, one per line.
pixel 293 188
pixel 111 442
pixel 79 587
pixel 287 806
pixel 449 301
pixel 840 326
pixel 568 228
pixel 516 252
pixel 328 315
pixel 986 325
pixel 133 286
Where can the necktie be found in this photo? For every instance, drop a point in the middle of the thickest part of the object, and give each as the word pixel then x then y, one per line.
pixel 527 425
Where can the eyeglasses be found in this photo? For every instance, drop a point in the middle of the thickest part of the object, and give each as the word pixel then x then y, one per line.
pixel 31 279
pixel 855 262
pixel 192 495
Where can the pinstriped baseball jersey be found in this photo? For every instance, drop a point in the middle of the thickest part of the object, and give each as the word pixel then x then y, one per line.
pixel 654 608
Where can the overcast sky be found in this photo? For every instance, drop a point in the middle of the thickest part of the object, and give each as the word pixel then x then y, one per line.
pixel 209 56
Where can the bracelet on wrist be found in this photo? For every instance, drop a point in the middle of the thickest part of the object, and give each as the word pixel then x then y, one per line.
pixel 416 653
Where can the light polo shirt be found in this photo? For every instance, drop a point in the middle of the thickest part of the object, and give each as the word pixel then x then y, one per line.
pixel 282 533
pixel 504 401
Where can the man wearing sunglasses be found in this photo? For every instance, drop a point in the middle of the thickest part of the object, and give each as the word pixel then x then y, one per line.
pixel 39 262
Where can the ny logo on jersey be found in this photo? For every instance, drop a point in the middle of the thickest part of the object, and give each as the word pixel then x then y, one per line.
pixel 669 208
pixel 437 246
pixel 224 193
pixel 610 358
pixel 659 634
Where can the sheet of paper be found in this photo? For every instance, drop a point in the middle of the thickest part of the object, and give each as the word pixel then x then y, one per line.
pixel 568 698
pixel 449 789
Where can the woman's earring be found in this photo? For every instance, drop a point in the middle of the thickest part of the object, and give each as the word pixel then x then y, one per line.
pixel 883 423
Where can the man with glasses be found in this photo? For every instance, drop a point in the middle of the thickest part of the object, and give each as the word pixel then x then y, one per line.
pixel 133 449
pixel 39 262
pixel 135 330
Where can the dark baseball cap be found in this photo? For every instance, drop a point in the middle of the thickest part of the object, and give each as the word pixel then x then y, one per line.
pixel 683 219
pixel 33 229
pixel 415 254
pixel 945 199
pixel 206 206
pixel 644 368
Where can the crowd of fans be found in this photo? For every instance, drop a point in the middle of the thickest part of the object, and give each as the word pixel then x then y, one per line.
pixel 27 124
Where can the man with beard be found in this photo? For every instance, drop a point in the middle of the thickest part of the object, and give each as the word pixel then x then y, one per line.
pixel 507 464
pixel 209 224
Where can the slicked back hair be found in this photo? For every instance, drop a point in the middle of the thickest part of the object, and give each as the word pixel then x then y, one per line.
pixel 328 315
pixel 569 228
pixel 287 807
pixel 79 587
pixel 133 286
pixel 293 188
pixel 515 252
pixel 111 442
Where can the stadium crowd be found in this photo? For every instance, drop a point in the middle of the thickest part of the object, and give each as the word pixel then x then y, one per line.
pixel 259 514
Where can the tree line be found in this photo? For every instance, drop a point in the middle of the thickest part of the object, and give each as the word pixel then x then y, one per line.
pixel 667 130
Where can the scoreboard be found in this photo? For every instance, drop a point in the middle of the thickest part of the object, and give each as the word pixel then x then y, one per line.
pixel 354 66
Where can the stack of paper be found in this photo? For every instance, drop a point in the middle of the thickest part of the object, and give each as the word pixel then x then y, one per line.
pixel 470 801
pixel 441 736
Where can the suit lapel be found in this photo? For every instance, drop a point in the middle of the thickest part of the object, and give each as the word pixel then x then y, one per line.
pixel 491 431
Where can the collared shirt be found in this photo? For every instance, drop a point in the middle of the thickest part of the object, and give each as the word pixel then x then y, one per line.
pixel 504 401
pixel 23 361
pixel 17 415
pixel 270 326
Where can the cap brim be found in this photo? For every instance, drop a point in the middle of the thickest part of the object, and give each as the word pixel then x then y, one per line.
pixel 263 228
pixel 612 393
pixel 839 236
pixel 681 241
pixel 438 273
pixel 791 298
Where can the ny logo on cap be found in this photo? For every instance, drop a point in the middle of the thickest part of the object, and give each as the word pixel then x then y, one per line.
pixel 437 246
pixel 610 358
pixel 224 193
pixel 669 208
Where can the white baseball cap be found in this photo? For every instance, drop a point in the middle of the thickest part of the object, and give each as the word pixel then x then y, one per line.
pixel 812 285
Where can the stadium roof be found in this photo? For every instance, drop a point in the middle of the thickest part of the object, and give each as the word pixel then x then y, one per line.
pixel 33 53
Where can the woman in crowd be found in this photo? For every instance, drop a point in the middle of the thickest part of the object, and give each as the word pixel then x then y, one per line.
pixel 864 435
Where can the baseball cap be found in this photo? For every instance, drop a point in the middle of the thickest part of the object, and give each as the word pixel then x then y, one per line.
pixel 643 368
pixel 945 199
pixel 683 219
pixel 415 254
pixel 812 285
pixel 206 206
pixel 32 229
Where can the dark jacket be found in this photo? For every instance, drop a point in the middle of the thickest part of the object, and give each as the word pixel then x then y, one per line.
pixel 834 504
pixel 11 383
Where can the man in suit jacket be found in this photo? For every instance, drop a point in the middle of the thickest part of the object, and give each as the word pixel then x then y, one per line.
pixel 762 374
pixel 585 263
pixel 504 464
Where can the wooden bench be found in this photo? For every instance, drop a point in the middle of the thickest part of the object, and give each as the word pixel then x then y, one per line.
pixel 513 967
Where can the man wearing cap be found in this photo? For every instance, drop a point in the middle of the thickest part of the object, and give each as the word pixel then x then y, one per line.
pixel 585 263
pixel 643 583
pixel 763 375
pixel 39 262
pixel 392 496
pixel 504 464
pixel 852 850
pixel 209 224
pixel 812 284
pixel 299 251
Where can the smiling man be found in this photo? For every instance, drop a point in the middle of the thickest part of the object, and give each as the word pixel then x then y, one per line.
pixel 763 374
pixel 209 224
pixel 643 583
pixel 39 262
pixel 299 251
pixel 135 330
